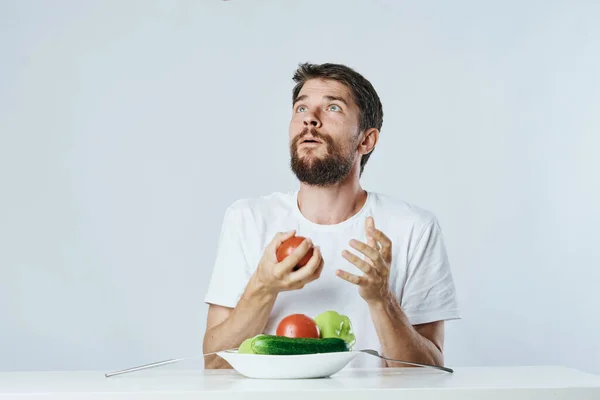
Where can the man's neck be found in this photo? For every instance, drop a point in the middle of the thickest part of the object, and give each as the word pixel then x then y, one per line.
pixel 333 204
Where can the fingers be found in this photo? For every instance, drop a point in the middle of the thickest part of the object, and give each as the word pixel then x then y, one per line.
pixel 369 226
pixel 312 269
pixel 363 265
pixel 347 276
pixel 317 258
pixel 320 269
pixel 280 237
pixel 299 252
pixel 370 252
pixel 382 242
pixel 385 242
pixel 308 273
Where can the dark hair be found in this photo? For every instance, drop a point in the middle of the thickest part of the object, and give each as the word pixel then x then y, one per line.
pixel 363 93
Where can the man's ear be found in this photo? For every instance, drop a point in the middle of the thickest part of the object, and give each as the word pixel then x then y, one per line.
pixel 369 139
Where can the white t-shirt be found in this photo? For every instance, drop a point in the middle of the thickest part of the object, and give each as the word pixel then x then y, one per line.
pixel 420 275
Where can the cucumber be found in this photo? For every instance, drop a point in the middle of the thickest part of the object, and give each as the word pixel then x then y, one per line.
pixel 282 345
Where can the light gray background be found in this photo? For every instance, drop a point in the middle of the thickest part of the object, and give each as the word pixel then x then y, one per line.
pixel 127 128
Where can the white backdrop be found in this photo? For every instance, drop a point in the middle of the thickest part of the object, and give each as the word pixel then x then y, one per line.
pixel 127 128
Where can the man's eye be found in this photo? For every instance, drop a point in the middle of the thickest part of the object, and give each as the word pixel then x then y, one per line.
pixel 333 107
pixel 301 109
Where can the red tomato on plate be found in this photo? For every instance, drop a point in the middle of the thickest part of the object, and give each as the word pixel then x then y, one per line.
pixel 288 246
pixel 298 326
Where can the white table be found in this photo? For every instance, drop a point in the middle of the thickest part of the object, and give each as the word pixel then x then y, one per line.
pixel 514 383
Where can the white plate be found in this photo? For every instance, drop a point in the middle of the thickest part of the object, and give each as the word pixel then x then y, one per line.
pixel 302 366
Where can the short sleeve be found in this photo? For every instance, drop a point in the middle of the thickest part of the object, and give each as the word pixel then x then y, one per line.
pixel 429 293
pixel 230 269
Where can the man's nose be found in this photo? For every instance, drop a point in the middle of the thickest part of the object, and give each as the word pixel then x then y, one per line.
pixel 311 119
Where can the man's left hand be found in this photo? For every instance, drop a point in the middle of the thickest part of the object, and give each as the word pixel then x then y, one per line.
pixel 373 285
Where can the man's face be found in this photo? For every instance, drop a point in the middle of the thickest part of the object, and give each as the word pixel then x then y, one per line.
pixel 324 133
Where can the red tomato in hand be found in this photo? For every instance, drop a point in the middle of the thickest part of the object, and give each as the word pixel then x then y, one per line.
pixel 288 246
pixel 298 326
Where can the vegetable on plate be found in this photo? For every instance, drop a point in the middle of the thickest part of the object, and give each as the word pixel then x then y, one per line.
pixel 282 345
pixel 299 334
pixel 334 325
pixel 298 326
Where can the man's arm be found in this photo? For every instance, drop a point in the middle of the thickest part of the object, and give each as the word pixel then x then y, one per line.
pixel 227 328
pixel 400 340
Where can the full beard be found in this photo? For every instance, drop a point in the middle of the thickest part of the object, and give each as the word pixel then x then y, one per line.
pixel 328 170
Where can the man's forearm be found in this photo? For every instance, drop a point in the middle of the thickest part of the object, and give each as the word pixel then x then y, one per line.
pixel 247 319
pixel 399 339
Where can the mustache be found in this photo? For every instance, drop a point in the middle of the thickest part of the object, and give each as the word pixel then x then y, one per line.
pixel 322 136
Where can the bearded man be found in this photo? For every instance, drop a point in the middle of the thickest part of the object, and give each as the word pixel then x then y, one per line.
pixel 376 259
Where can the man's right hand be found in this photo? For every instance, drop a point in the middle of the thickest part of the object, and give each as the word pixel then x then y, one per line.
pixel 228 327
pixel 273 277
